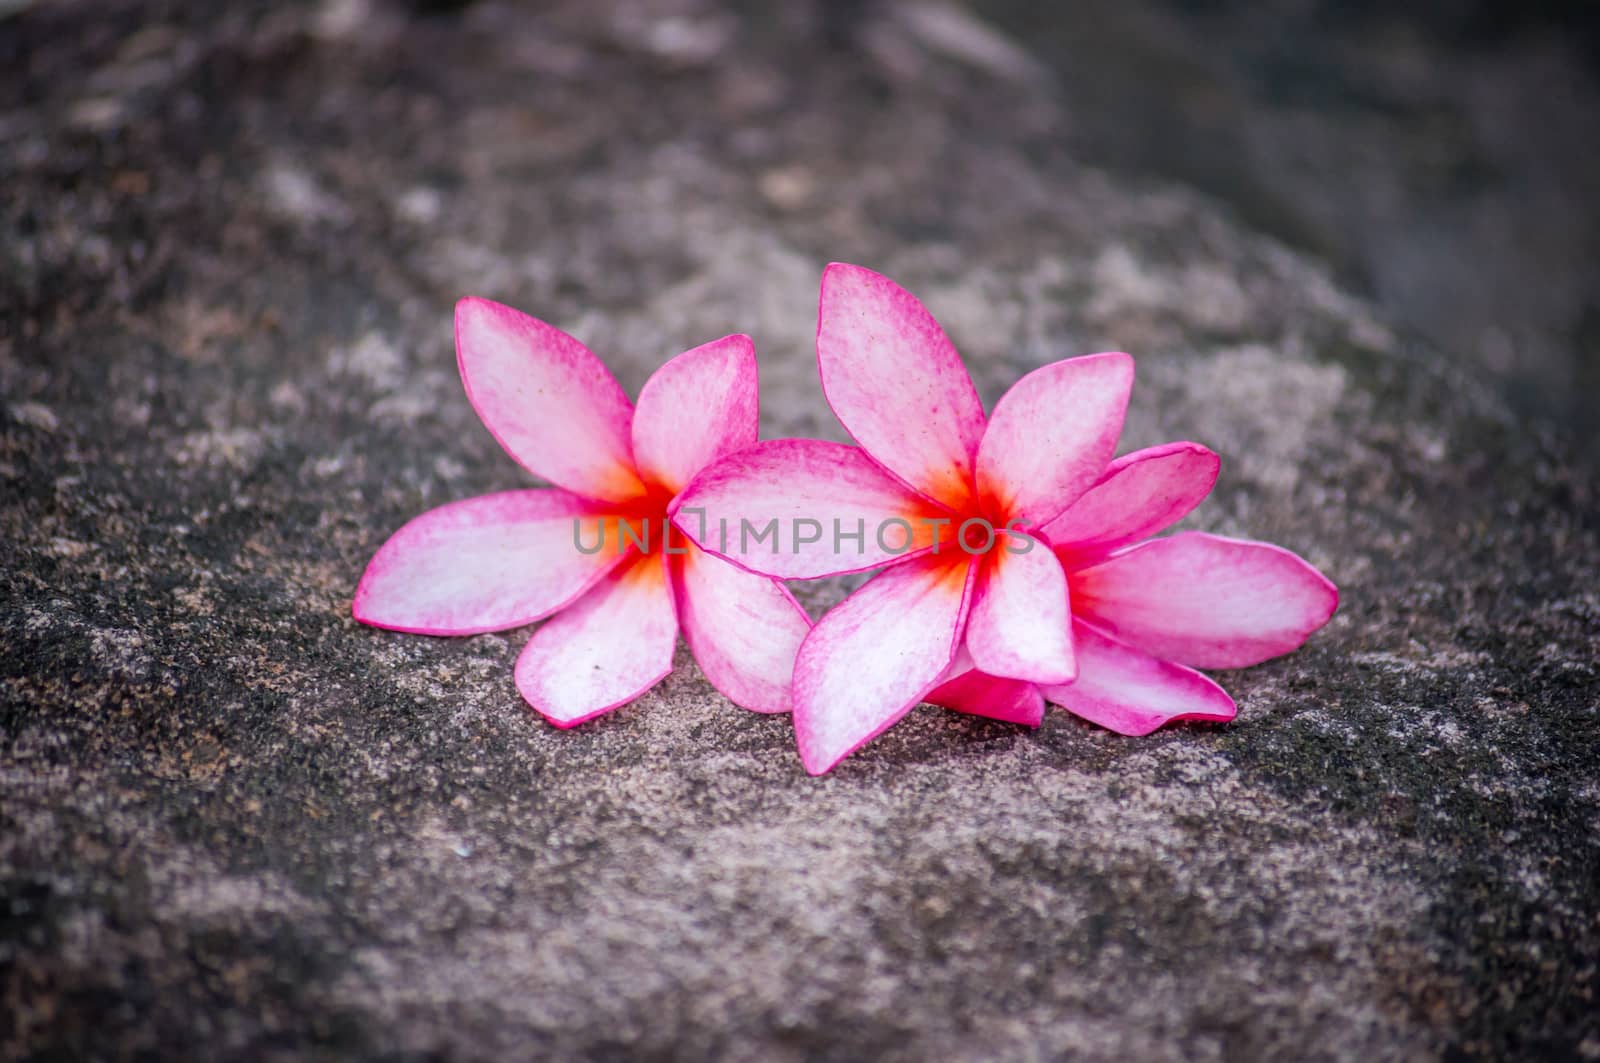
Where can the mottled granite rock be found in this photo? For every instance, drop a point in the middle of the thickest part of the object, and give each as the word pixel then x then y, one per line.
pixel 234 823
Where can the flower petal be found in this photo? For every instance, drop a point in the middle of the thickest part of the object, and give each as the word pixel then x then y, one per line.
pixel 699 406
pixel 897 384
pixel 547 400
pixel 1019 623
pixel 1140 494
pixel 800 488
pixel 1133 693
pixel 1052 435
pixel 743 629
pixel 875 655
pixel 1205 601
pixel 966 689
pixel 483 564
pixel 610 646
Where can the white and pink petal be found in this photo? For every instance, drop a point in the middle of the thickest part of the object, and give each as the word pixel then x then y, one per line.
pixel 874 657
pixel 963 688
pixel 804 508
pixel 897 383
pixel 1133 693
pixel 1204 600
pixel 696 408
pixel 743 629
pixel 1019 626
pixel 1140 494
pixel 547 400
pixel 606 649
pixel 484 564
pixel 1052 435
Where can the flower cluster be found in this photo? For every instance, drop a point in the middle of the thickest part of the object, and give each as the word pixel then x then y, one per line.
pixel 1016 564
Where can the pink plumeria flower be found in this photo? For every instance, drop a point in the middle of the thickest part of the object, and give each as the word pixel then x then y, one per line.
pixel 595 547
pixel 1145 615
pixel 965 613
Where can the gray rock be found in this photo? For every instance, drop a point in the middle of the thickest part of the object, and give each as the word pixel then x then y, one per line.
pixel 234 823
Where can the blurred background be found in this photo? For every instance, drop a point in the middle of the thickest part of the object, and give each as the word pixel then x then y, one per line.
pixel 1441 156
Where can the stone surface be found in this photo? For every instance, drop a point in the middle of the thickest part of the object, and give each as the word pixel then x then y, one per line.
pixel 236 824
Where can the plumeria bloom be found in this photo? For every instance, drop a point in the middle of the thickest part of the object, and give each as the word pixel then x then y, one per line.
pixel 1145 615
pixel 596 547
pixel 965 613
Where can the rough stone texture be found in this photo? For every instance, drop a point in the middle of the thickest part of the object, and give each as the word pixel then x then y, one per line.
pixel 235 824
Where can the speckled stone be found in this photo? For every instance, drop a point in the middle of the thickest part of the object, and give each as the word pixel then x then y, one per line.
pixel 236 824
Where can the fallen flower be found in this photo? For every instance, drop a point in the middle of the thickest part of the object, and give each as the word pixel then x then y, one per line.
pixel 1145 615
pixel 960 585
pixel 504 560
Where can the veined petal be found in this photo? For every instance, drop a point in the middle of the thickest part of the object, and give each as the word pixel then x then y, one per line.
pixel 610 646
pixel 547 400
pixel 1205 601
pixel 794 508
pixel 1140 494
pixel 1133 693
pixel 484 564
pixel 965 689
pixel 699 406
pixel 897 384
pixel 875 655
pixel 743 629
pixel 1052 435
pixel 1019 623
